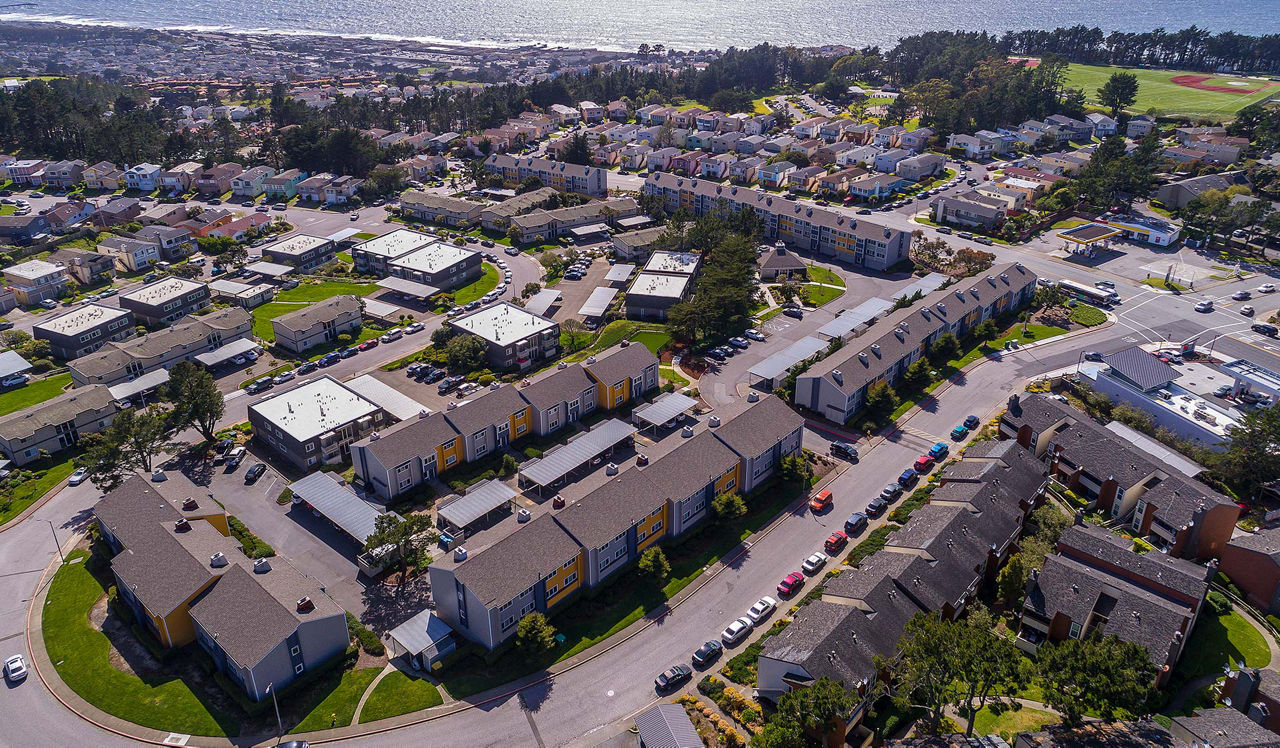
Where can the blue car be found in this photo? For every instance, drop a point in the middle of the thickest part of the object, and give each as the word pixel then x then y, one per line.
pixel 971 422
pixel 908 477
pixel 959 432
pixel 331 359
pixel 939 450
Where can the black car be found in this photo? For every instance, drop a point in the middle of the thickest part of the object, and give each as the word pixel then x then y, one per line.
pixel 708 653
pixel 260 385
pixel 971 422
pixel 412 369
pixel 673 677
pixel 876 507
pixel 845 450
pixel 308 367
pixel 348 352
pixel 435 375
pixel 856 523
pixel 1092 356
pixel 793 312
pixel 1263 328
pixel 254 473
pixel 448 384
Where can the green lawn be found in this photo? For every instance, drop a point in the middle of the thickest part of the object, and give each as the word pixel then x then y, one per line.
pixel 651 339
pixel 345 257
pixel 1009 723
pixel 487 281
pixel 398 694
pixel 815 295
pixel 364 236
pixel 670 374
pixel 8 210
pixel 1068 223
pixel 1220 640
pixel 1086 315
pixel 48 473
pixel 33 393
pixel 1156 91
pixel 823 275
pixel 1162 283
pixel 80 654
pixel 326 289
pixel 262 316
pixel 338 708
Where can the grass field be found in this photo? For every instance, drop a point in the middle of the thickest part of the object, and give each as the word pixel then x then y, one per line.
pixel 398 694
pixel 815 295
pixel 651 339
pixel 1218 641
pixel 35 392
pixel 326 289
pixel 487 281
pixel 1009 723
pixel 338 707
pixel 1156 92
pixel 48 473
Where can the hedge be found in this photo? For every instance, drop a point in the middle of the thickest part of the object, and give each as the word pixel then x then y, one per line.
pixel 368 640
pixel 874 542
pixel 254 546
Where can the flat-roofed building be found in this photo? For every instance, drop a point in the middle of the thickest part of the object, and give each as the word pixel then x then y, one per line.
pixel 679 263
pixel 34 281
pixel 302 251
pixel 85 329
pixel 167 300
pixel 318 323
pixel 438 264
pixel 127 360
pixel 516 338
pixel 652 295
pixel 56 424
pixel 316 422
pixel 376 254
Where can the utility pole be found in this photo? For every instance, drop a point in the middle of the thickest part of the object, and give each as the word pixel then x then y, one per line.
pixel 279 727
pixel 55 541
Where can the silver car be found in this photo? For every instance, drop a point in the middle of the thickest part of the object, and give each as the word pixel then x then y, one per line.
pixel 736 631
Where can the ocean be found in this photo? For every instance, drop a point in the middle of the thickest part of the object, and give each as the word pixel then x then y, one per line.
pixel 625 24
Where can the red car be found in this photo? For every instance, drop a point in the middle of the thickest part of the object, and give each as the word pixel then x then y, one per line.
pixel 923 463
pixel 791 585
pixel 369 344
pixel 837 541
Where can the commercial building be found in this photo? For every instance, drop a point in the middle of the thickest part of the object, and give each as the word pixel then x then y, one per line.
pixel 375 255
pixel 128 360
pixel 318 323
pixel 55 424
pixel 1143 228
pixel 438 264
pixel 301 251
pixel 666 280
pixel 315 422
pixel 836 386
pixel 34 281
pixel 586 180
pixel 813 228
pixel 167 300
pixel 517 339
pixel 85 329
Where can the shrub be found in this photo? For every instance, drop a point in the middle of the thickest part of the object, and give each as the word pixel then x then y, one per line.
pixel 485 380
pixel 509 466
pixel 344 338
pixel 532 453
pixel 1219 604
pixel 1223 580
pixel 711 687
pixel 254 546
pixel 368 640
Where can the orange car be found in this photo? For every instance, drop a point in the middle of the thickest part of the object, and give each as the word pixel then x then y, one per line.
pixel 821 502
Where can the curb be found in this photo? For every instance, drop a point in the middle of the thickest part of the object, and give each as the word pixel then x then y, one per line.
pixel 26 513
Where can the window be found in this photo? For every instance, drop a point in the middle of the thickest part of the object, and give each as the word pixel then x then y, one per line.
pixel 450 460
pixel 657 527
pixel 573 577
pixel 604 562
pixel 552 590
pixel 526 610
pixel 622 552
pixel 655 512
pixel 405 483
pixel 311 460
pixel 297 669
pixel 294 651
pixel 641 535
pixel 521 429
pixel 1075 630
pixel 508 622
pixel 730 485
pixel 311 446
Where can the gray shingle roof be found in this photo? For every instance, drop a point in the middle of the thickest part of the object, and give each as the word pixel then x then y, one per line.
pixel 619 363
pixel 517 562
pixel 611 509
pixel 408 439
pixel 1266 541
pixel 1090 545
pixel 65 407
pixel 759 426
pixel 189 332
pixel 489 409
pixel 317 313
pixel 1101 735
pixel 562 386
pixel 1141 368
pixel 690 466
pixel 1225 727
pixel 667 726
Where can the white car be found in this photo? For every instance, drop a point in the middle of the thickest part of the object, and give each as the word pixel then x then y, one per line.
pixel 415 327
pixel 754 334
pixel 763 608
pixel 14 380
pixel 283 377
pixel 1267 288
pixel 814 563
pixel 737 631
pixel 15 669
pixel 79 476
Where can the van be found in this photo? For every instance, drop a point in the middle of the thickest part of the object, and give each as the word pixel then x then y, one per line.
pixel 163 265
pixel 197 261
pixel 392 336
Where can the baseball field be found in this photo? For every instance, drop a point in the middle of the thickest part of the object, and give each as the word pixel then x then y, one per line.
pixel 1180 92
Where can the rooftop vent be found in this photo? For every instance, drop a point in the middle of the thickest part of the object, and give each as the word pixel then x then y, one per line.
pixel 686 432
pixel 862 356
pixel 837 375
pixel 305 605
pixel 875 348
pixel 991 280
pixel 218 560
pixel 460 554
pixel 523 516
pixel 261 566
pixel 713 421
pixel 591 359
pixel 423 414
pixel 753 397
pixel 189 504
pixel 181 525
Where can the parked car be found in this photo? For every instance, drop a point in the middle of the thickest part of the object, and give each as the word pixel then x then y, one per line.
pixel 763 608
pixel 672 677
pixel 908 477
pixel 845 450
pixel 447 384
pixel 971 422
pixel 330 359
pixel 742 343
pixel 308 367
pixel 14 380
pixel 814 563
pixel 254 473
pixel 791 584
pixel 1223 390
pixel 754 334
pixel 856 523
pixel 258 385
pixel 923 463
pixel 79 476
pixel 434 375
pixel 391 336
pixel 939 450
pixel 348 352
pixel 821 502
pixel 959 432
pixel 283 377
pixel 736 631
pixel 835 541
pixel 368 345
pixel 793 312
pixel 416 327
pixel 235 456
pixel 707 653
pixel 15 669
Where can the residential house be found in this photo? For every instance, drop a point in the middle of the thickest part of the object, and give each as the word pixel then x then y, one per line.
pixel 340 190
pixel 103 176
pixel 617 111
pixel 623 133
pixel 863 155
pixel 174 243
pixel 249 183
pixel 744 170
pixel 806 179
pixel 887 161
pixel 143 177
pixel 56 424
pixel 35 281
pixel 660 159
pixel 591 112
pixel 827 154
pixel 564 115
pixel 915 140
pixel 717 167
pixel 973 147
pixel 749 144
pixel 838 181
pixel 1188 135
pixel 808 128
pixel 86 267
pixel 1075 129
pixel 887 137
pixel 688 162
pixel 180 178
pixel 64 215
pixel 1140 126
pixel 779 144
pixel 921 167
pixel 778 262
pixel 634 156
pixel 1061 162
pixel 319 323
pixel 774 174
pixel 129 255
pixel 1103 126
pixel 725 142
pixel 1000 142
pixel 311 189
pixel 971 209
pixel 422 166
pixel 877 186
pixel 283 186
pixel 64 174
pixel 217 179
pixel 27 172
pixel 118 211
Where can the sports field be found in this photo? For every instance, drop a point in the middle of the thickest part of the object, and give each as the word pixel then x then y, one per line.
pixel 1159 91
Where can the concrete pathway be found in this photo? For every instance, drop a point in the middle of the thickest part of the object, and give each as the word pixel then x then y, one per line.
pixel 387 670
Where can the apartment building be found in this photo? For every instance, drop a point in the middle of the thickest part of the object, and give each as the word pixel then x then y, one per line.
pixel 577 220
pixel 836 386
pixel 375 255
pixel 516 339
pixel 315 422
pixel 56 424
pixel 586 180
pixel 439 265
pixel 127 360
pixel 84 330
pixel 301 251
pixel 498 216
pixel 35 281
pixel 167 300
pixel 318 323
pixel 450 211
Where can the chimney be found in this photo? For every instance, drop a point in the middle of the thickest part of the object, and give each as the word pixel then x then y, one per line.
pixel 875 348
pixel 218 560
pixel 837 375
pixel 713 421
pixel 181 525
pixel 862 356
pixel 305 605
pixel 189 504
pixel 261 566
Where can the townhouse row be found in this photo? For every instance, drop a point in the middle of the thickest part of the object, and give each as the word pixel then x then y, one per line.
pixel 836 387
pixel 826 232
pixel 586 180
pixel 484 592
pixel 416 451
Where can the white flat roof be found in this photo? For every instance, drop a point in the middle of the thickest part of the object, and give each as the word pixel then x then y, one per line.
pixel 82 318
pixel 150 380
pixel 32 269
pixel 166 289
pixel 272 269
pixel 652 284
pixel 503 323
pixel 412 288
pixel 540 302
pixel 776 365
pixel 395 243
pixel 434 257
pixel 227 352
pixel 392 400
pixel 672 262
pixel 620 272
pixel 313 408
pixel 223 285
pixel 296 245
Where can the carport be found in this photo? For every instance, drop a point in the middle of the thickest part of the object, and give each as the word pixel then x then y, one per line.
pixel 588 231
pixel 334 499
pixel 269 269
pixel 598 302
pixel 777 365
pixel 225 353
pixel 460 516
pixel 619 273
pixel 926 285
pixel 412 289
pixel 424 638
pixel 386 397
pixel 583 449
pixel 380 310
pixel 633 222
pixel 664 409
pixel 543 300
pixel 11 363
pixel 147 383
pixel 851 319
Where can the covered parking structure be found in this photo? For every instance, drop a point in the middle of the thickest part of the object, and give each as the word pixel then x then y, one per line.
pixel 773 368
pixel 225 353
pixel 925 286
pixel 619 273
pixel 556 465
pixel 408 288
pixel 663 409
pixel 375 309
pixel 386 397
pixel 598 302
pixel 473 510
pixel 269 269
pixel 424 640
pixel 851 319
pixel 338 503
pixel 11 363
pixel 139 388
pixel 590 230
pixel 543 300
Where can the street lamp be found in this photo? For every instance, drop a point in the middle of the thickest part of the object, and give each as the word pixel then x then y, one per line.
pixel 276 704
pixel 55 541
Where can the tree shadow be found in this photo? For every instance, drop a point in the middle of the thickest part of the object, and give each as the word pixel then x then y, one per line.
pixel 533 697
pixel 388 606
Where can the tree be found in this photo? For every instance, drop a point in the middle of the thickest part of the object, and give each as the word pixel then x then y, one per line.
pixel 944 349
pixel 406 536
pixel 578 151
pixel 778 734
pixel 986 330
pixel 535 636
pixel 654 565
pixel 196 400
pixel 575 335
pixel 1013 580
pixel 917 376
pixel 795 469
pixel 141 436
pixel 1119 92
pixel 728 506
pixel 529 184
pixel 465 353
pixel 1252 455
pixel 103 460
pixel 1098 675
pixel 881 400
pixel 530 289
pixel 819 710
